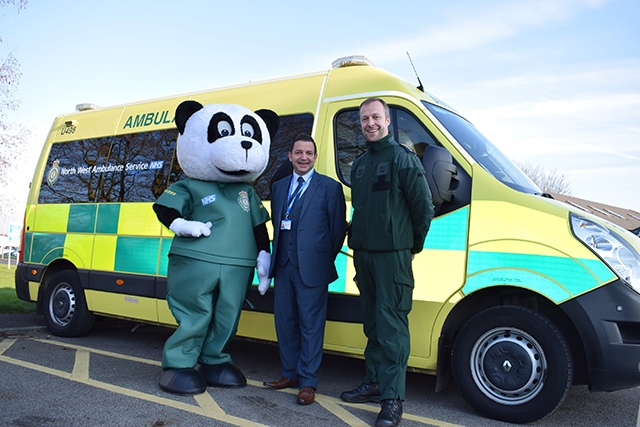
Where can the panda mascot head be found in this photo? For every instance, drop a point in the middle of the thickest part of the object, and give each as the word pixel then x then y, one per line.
pixel 223 142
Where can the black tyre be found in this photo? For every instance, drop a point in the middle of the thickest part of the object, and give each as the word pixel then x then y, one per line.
pixel 512 364
pixel 65 307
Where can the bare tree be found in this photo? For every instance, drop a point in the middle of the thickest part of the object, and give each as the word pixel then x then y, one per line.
pixel 13 136
pixel 551 181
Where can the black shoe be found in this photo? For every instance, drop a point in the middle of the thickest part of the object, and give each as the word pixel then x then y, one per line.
pixel 365 392
pixel 391 413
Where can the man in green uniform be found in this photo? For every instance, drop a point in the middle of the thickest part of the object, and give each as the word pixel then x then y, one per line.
pixel 392 211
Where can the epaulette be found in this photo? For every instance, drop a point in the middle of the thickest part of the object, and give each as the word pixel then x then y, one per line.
pixel 407 148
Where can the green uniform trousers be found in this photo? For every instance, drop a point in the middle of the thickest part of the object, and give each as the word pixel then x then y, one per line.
pixel 385 281
pixel 206 299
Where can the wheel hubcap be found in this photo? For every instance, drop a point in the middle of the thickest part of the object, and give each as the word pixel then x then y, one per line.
pixel 508 365
pixel 62 304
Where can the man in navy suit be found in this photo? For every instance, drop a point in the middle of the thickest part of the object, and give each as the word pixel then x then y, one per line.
pixel 309 223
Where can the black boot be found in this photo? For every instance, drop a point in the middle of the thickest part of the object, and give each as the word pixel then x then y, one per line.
pixel 182 381
pixel 365 392
pixel 391 413
pixel 225 375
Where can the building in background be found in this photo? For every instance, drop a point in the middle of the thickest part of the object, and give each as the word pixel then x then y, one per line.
pixel 625 218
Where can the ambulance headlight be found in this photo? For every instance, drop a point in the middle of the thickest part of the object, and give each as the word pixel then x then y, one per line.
pixel 612 248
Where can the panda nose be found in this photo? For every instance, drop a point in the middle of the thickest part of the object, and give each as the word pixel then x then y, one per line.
pixel 246 144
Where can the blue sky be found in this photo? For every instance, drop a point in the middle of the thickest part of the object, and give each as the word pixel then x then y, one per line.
pixel 555 83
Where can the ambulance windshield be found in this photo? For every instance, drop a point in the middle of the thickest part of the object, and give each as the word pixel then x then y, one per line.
pixel 483 151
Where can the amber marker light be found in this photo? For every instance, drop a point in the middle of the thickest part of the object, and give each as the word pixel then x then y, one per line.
pixel 119 282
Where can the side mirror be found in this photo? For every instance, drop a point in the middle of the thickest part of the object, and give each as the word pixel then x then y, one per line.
pixel 440 172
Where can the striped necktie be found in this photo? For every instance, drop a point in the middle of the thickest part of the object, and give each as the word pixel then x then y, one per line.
pixel 296 192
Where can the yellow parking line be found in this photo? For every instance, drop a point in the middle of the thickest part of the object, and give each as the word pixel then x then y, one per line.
pixel 213 410
pixel 105 386
pixel 206 406
pixel 98 351
pixel 335 406
pixel 406 416
pixel 341 413
pixel 81 366
pixel 6 344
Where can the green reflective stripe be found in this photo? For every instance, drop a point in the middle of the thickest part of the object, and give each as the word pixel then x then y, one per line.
pixel 449 232
pixel 46 247
pixel 555 277
pixel 28 240
pixel 164 256
pixel 81 219
pixel 520 278
pixel 137 255
pixel 341 265
pixel 108 215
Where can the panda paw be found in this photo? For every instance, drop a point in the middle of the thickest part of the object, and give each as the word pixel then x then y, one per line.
pixel 264 263
pixel 182 227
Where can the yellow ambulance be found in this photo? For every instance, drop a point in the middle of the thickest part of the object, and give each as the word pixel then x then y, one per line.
pixel 517 296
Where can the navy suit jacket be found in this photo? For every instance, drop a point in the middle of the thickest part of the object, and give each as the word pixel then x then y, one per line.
pixel 321 227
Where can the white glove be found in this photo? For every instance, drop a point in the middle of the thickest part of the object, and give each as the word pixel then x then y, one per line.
pixel 182 227
pixel 264 263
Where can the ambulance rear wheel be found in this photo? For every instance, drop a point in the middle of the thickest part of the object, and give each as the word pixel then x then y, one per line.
pixel 65 307
pixel 512 364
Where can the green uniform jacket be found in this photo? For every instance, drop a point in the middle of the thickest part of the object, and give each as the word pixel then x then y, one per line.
pixel 392 207
pixel 234 209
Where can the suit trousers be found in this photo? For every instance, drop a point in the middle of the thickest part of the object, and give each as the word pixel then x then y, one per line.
pixel 206 299
pixel 385 281
pixel 299 319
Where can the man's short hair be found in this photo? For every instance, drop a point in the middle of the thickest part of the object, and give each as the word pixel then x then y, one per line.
pixel 303 137
pixel 384 104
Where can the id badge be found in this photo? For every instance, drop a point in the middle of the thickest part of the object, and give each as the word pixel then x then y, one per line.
pixel 285 224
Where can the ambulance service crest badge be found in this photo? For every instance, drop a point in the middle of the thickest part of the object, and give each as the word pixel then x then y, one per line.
pixel 243 200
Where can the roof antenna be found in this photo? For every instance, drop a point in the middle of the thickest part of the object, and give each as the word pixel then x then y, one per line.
pixel 420 87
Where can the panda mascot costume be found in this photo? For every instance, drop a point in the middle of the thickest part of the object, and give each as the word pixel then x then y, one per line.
pixel 221 236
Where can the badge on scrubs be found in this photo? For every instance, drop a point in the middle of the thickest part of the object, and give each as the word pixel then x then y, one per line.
pixel 285 224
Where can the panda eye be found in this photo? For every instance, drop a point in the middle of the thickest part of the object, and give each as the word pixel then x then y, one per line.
pixel 224 128
pixel 247 130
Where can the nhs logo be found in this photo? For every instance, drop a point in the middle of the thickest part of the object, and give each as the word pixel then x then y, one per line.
pixel 157 164
pixel 208 199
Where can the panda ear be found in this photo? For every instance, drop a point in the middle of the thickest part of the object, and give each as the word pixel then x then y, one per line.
pixel 271 119
pixel 185 110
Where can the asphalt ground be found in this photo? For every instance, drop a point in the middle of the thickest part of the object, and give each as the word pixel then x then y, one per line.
pixel 109 377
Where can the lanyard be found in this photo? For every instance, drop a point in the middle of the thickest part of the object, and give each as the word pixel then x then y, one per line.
pixel 296 194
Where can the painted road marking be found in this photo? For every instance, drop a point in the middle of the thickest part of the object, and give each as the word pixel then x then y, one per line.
pixel 81 365
pixel 205 406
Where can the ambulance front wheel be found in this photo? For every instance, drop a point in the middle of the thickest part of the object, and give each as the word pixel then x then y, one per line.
pixel 65 307
pixel 512 364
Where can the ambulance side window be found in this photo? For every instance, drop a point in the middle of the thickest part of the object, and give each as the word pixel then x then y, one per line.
pixel 68 177
pixel 350 142
pixel 410 131
pixel 138 167
pixel 279 164
pixel 125 168
pixel 142 163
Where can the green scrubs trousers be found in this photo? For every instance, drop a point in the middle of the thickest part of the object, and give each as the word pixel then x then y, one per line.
pixel 206 299
pixel 385 281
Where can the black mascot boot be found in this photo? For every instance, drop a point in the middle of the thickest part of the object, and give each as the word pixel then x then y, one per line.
pixel 182 381
pixel 225 375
